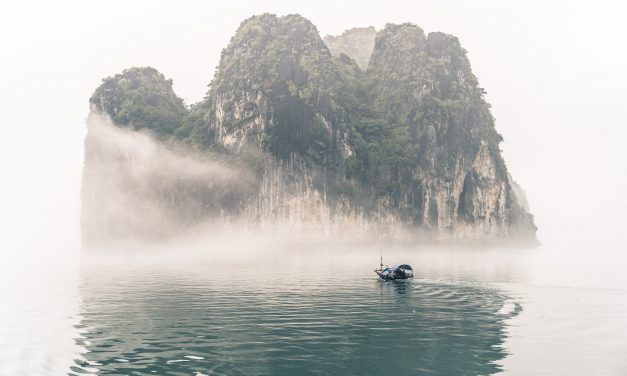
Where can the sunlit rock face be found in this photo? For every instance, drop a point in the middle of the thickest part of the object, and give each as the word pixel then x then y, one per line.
pixel 291 137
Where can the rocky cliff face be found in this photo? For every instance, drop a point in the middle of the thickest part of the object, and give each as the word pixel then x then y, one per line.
pixel 275 89
pixel 461 186
pixel 407 143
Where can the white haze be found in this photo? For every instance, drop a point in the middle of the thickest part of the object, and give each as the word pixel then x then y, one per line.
pixel 132 181
pixel 138 188
pixel 554 72
pixel 142 145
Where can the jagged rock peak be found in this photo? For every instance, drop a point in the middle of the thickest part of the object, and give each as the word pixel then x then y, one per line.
pixel 356 43
pixel 270 21
pixel 407 43
pixel 410 138
pixel 264 44
pixel 275 88
pixel 410 34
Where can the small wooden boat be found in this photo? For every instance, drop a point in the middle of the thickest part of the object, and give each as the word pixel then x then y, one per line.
pixel 400 271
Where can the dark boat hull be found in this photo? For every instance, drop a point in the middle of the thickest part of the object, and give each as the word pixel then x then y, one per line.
pixel 393 275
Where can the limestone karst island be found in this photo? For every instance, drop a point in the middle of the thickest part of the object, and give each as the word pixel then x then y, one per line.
pixel 370 132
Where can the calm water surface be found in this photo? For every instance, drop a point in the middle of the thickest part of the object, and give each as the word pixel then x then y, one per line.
pixel 465 313
pixel 247 320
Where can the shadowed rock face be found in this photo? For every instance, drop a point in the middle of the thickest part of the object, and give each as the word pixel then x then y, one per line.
pixel 408 142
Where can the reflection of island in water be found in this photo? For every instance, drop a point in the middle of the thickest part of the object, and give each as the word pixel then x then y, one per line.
pixel 285 322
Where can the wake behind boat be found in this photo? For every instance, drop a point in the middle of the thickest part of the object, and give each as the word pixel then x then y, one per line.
pixel 400 271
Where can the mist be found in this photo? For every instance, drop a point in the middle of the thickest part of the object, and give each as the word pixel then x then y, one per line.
pixel 554 74
pixel 135 186
pixel 137 189
pixel 555 103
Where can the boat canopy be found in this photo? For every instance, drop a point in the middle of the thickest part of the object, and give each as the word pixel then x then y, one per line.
pixel 400 266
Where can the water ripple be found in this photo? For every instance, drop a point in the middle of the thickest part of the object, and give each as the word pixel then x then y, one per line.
pixel 285 322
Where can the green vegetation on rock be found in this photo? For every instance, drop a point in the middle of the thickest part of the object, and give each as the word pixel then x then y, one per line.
pixel 412 130
pixel 140 98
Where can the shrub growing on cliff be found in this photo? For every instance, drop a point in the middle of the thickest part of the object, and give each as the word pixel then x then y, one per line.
pixel 383 154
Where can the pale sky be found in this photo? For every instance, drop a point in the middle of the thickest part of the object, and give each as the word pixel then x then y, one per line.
pixel 555 73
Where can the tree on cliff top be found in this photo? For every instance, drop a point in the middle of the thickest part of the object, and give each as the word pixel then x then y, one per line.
pixel 140 98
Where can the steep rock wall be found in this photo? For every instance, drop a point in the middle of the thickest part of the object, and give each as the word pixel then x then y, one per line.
pixel 407 145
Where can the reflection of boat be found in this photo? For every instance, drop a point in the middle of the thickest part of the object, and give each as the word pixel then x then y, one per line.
pixel 400 271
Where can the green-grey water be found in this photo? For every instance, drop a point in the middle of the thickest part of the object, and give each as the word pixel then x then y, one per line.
pixel 247 321
pixel 313 311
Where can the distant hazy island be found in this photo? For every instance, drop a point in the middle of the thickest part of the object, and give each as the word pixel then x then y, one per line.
pixel 366 133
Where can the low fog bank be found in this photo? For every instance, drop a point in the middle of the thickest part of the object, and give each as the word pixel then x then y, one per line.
pixel 139 188
pixel 556 85
pixel 206 253
pixel 136 188
pixel 565 147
